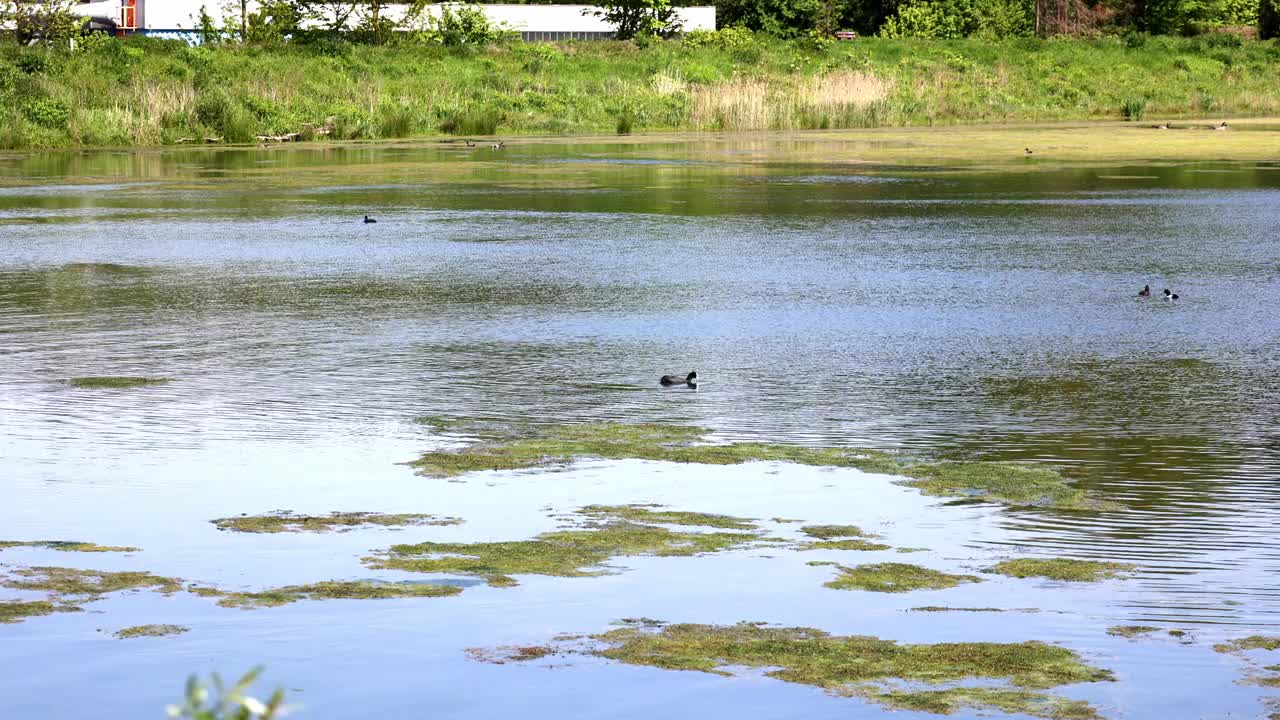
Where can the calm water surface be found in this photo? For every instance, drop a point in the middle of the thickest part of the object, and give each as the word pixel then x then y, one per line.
pixel 951 313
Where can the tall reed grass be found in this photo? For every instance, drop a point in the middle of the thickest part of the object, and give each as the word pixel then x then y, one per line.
pixel 142 91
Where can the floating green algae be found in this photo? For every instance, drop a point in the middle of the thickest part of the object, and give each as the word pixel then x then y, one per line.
pixel 547 446
pixel 66 546
pixel 1253 642
pixel 116 382
pixel 1064 569
pixel 860 665
pixel 1131 631
pixel 896 578
pixel 17 611
pixel 138 631
pixel 839 537
pixel 288 522
pixel 827 532
pixel 946 608
pixel 60 581
pixel 1014 702
pixel 563 553
pixel 327 590
pixel 647 514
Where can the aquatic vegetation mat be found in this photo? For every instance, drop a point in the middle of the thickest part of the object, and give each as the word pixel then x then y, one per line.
pixel 285 521
pixel 1253 642
pixel 60 581
pixel 1131 631
pixel 117 383
pixel 67 546
pixel 861 666
pixel 612 532
pixel 896 578
pixel 17 611
pixel 328 590
pixel 138 631
pixel 518 447
pixel 1064 569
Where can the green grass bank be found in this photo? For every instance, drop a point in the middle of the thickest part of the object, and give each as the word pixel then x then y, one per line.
pixel 142 92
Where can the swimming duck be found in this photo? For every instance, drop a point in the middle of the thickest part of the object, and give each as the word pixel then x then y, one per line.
pixel 469 143
pixel 1170 295
pixel 1145 292
pixel 691 379
pixel 1223 126
pixel 1161 126
pixel 1027 151
pixel 368 220
pixel 498 145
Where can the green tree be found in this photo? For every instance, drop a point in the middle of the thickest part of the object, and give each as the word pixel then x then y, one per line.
pixel 47 21
pixel 633 18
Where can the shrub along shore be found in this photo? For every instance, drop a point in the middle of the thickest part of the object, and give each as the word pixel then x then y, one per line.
pixel 144 92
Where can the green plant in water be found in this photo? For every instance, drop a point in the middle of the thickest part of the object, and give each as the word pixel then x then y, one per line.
pixel 288 522
pixel 138 631
pixel 1064 569
pixel 60 581
pixel 533 447
pixel 226 703
pixel 896 578
pixel 646 514
pixel 1253 642
pixel 16 611
pixel 1131 631
pixel 67 546
pixel 562 553
pixel 328 590
pixel 116 383
pixel 861 666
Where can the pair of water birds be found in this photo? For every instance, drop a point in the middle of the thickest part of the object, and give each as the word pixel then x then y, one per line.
pixel 1145 292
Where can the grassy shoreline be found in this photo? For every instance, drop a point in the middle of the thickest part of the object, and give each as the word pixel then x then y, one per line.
pixel 146 92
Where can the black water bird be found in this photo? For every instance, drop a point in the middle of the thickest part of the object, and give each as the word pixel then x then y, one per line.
pixel 1223 126
pixel 1145 292
pixel 368 220
pixel 469 143
pixel 1027 151
pixel 691 379
pixel 1170 295
pixel 498 145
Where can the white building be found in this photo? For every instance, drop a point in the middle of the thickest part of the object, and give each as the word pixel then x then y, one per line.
pixel 177 18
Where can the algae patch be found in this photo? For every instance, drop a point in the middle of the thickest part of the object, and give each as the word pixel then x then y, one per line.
pixel 896 578
pixel 115 382
pixel 60 581
pixel 1253 642
pixel 1064 569
pixel 1014 702
pixel 828 532
pixel 328 590
pixel 612 532
pixel 548 446
pixel 341 521
pixel 67 546
pixel 138 631
pixel 1131 631
pixel 647 514
pixel 563 553
pixel 17 611
pixel 860 666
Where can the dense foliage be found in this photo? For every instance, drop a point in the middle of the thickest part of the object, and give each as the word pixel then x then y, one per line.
pixel 378 22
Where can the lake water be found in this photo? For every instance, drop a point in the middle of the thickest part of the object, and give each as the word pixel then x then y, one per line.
pixel 956 312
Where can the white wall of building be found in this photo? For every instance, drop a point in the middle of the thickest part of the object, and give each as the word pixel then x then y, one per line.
pixel 181 14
